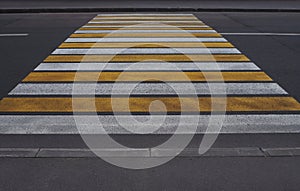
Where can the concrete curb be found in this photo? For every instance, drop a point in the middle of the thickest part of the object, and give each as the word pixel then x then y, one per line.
pixel 145 152
pixel 213 152
pixel 281 151
pixel 74 10
pixel 18 152
pixel 86 153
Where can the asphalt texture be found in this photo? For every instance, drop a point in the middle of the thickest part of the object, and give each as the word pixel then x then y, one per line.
pixel 146 5
pixel 254 173
pixel 46 32
pixel 277 55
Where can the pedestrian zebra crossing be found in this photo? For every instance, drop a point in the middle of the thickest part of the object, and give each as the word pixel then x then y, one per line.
pixel 173 51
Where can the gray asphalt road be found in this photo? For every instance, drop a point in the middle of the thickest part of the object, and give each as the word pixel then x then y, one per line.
pixel 24 53
pixel 277 55
pixel 63 5
pixel 214 174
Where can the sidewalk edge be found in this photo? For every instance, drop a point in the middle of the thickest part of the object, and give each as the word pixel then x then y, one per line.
pixel 146 152
pixel 74 10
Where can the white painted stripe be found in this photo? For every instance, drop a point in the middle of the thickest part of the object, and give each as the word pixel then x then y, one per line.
pixel 146 89
pixel 142 31
pixel 150 39
pixel 14 35
pixel 146 18
pixel 65 124
pixel 148 22
pixel 263 34
pixel 148 66
pixel 147 14
pixel 106 51
pixel 145 26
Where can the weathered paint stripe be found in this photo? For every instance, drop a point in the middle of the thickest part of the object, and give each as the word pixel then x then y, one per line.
pixel 142 31
pixel 147 22
pixel 145 35
pixel 143 26
pixel 153 39
pixel 142 66
pixel 147 89
pixel 145 14
pixel 263 34
pixel 147 57
pixel 132 17
pixel 141 104
pixel 145 45
pixel 101 51
pixel 14 35
pixel 146 28
pixel 141 76
pixel 145 19
pixel 65 124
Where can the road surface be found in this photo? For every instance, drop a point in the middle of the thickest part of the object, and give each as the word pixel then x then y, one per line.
pixel 260 91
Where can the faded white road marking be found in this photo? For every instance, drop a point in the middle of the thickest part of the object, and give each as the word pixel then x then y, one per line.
pixel 142 31
pixel 148 51
pixel 14 35
pixel 262 34
pixel 145 89
pixel 151 39
pixel 65 124
pixel 204 66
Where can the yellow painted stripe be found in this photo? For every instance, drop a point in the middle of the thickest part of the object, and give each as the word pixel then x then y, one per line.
pixel 144 45
pixel 138 23
pixel 146 28
pixel 145 22
pixel 147 17
pixel 140 58
pixel 155 19
pixel 141 76
pixel 141 104
pixel 146 35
